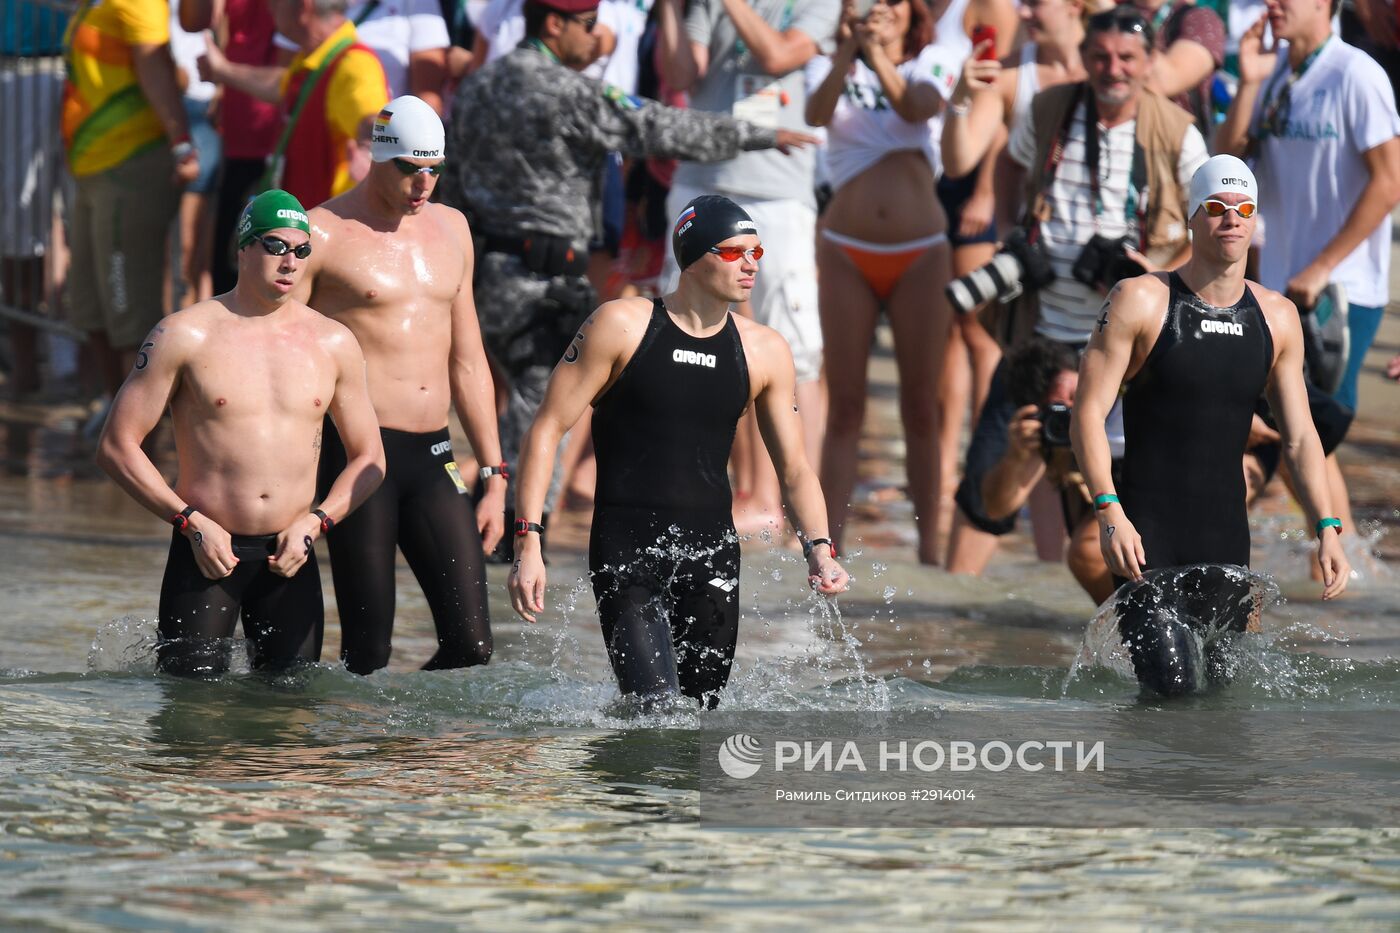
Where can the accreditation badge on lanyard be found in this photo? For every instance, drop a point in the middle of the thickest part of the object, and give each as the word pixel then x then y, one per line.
pixel 759 99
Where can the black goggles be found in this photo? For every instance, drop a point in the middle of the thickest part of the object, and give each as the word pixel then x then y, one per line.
pixel 275 247
pixel 407 168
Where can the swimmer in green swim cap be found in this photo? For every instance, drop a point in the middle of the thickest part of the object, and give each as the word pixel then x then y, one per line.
pixel 249 378
pixel 269 211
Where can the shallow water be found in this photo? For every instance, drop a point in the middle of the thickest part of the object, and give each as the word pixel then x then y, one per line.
pixel 523 793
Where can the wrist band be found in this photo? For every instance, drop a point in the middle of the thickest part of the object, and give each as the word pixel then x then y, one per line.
pixel 1104 500
pixel 182 519
pixel 1324 523
pixel 959 110
pixel 523 528
pixel 808 546
pixel 487 472
pixel 327 523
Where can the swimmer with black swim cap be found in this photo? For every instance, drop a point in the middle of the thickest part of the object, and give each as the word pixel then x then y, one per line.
pixel 248 376
pixel 397 269
pixel 706 222
pixel 1193 376
pixel 668 380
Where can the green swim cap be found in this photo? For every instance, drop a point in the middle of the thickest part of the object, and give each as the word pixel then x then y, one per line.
pixel 271 210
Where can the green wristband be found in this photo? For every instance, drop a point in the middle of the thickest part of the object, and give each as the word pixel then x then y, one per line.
pixel 1323 523
pixel 1104 500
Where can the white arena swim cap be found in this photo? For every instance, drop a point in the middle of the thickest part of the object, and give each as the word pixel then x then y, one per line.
pixel 407 128
pixel 1219 175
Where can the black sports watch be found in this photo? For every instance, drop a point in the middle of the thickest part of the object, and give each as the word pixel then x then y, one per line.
pixel 181 519
pixel 523 528
pixel 807 546
pixel 327 523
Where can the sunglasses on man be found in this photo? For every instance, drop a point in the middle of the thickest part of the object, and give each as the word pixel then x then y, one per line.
pixel 1125 18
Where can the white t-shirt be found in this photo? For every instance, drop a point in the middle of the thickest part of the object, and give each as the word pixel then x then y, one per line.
pixel 398 28
pixel 503 26
pixel 1069 309
pixel 1311 177
pixel 628 20
pixel 864 127
pixel 185 48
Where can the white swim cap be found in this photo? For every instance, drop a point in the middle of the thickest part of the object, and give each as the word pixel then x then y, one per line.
pixel 1221 174
pixel 407 128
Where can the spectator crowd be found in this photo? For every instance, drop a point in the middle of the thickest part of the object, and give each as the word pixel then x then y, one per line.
pixel 978 173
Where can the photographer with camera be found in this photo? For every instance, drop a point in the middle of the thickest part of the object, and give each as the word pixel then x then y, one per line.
pixel 1107 166
pixel 1041 379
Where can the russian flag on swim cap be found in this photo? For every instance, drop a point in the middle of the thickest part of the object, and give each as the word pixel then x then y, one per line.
pixel 686 217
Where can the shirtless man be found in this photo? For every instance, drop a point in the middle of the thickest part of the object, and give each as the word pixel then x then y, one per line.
pixel 397 271
pixel 668 380
pixel 249 376
pixel 1196 349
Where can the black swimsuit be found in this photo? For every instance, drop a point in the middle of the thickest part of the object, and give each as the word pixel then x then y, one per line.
pixel 663 555
pixel 422 508
pixel 1186 420
pixel 282 616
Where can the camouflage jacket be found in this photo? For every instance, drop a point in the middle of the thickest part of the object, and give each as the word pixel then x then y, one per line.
pixel 529 136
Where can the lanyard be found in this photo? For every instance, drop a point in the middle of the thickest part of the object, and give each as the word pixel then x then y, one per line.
pixel 1163 14
pixel 1275 112
pixel 539 46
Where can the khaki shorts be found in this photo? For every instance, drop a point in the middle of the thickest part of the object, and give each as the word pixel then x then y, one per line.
pixel 118 234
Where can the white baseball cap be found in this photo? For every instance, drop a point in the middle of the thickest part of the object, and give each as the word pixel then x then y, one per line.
pixel 407 128
pixel 1220 175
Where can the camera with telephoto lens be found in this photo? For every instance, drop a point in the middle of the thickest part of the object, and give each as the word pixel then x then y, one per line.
pixel 1054 425
pixel 1104 262
pixel 1020 264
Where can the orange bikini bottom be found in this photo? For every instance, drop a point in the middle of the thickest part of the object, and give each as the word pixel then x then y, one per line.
pixel 882 265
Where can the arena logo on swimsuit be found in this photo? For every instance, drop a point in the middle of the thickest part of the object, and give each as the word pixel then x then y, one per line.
pixel 1222 327
pixel 440 448
pixel 695 359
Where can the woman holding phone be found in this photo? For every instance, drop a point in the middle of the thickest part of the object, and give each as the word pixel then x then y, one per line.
pixel 883 239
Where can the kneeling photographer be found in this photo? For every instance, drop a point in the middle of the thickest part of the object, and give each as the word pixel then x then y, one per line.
pixel 1107 165
pixel 1041 378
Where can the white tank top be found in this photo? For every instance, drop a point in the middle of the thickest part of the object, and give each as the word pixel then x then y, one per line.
pixel 864 127
pixel 949 33
pixel 1027 85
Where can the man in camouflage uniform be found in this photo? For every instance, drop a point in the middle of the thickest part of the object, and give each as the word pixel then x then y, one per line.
pixel 529 135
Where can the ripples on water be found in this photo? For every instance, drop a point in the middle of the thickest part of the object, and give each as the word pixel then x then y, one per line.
pixel 526 793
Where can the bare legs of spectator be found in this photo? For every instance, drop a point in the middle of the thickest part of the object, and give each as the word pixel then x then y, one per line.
pixel 919 320
pixel 967 374
pixel 196 240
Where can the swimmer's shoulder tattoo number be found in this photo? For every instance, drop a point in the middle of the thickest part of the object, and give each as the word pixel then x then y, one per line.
pixel 143 356
pixel 571 354
pixel 143 359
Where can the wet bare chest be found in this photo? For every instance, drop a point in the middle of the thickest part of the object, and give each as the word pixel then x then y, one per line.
pixel 277 377
pixel 390 284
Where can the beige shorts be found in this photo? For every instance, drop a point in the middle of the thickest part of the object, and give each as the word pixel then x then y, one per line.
pixel 118 233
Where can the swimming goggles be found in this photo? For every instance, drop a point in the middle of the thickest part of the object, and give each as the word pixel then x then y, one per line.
pixel 276 247
pixel 735 253
pixel 1216 208
pixel 407 168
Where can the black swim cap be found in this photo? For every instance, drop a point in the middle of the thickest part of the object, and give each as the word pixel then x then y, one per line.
pixel 706 221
